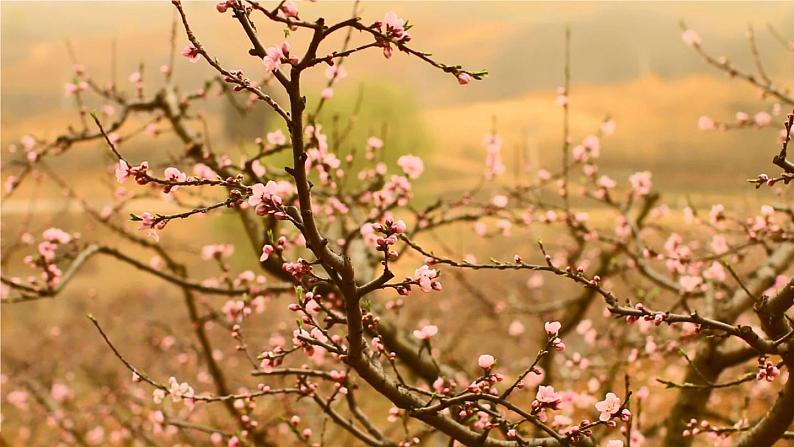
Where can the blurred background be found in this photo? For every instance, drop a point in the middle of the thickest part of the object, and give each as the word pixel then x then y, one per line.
pixel 628 63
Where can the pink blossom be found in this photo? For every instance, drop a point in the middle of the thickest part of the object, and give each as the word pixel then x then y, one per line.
pixel 426 332
pixel 174 175
pixel 151 129
pixel 327 93
pixel 267 250
pixel 274 55
pixel 609 406
pixel 216 251
pixel 535 281
pixel 276 138
pixel 425 277
pixel 258 168
pixel 641 182
pixel 47 250
pixel 60 392
pixel 561 100
pixel 767 370
pixel 70 89
pixel 608 127
pixel 593 145
pixel 203 171
pixel 719 244
pixel 762 119
pixel 552 328
pixel 464 78
pixel 56 235
pixel 191 53
pixel 18 398
pixel 178 390
pixel 705 123
pixel 267 193
pixel 289 8
pixel 148 224
pixel 606 182
pixel 493 157
pixel 516 328
pixel 499 201
pixel 546 394
pixel 715 272
pixel 691 37
pixel 689 282
pixel 336 72
pixel 374 143
pixel 486 361
pixel 122 171
pixel 411 165
pixel 399 226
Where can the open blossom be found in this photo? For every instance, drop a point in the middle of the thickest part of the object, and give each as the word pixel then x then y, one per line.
pixel 427 332
pixel 374 143
pixel 425 277
pixel 122 171
pixel 178 390
pixel 641 182
pixel 158 395
pixel 274 56
pixel 411 165
pixel 607 407
pixel 486 361
pixel 394 30
pixel 191 53
pixel 265 197
pixel 719 244
pixel 174 175
pixel 56 235
pixel 149 223
pixel 546 394
pixel 691 37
